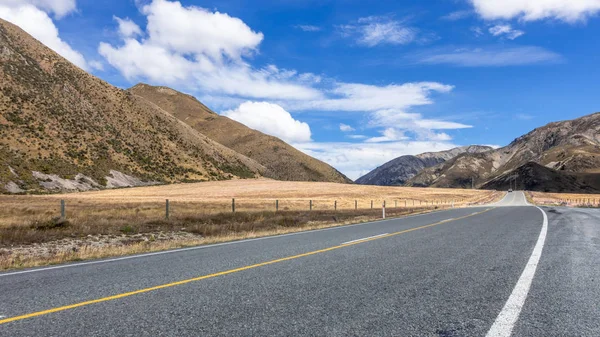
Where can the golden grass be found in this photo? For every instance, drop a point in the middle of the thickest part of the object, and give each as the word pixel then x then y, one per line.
pixel 87 252
pixel 565 199
pixel 202 210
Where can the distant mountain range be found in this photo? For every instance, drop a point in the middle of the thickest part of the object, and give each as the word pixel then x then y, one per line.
pixel 400 170
pixel 559 157
pixel 64 129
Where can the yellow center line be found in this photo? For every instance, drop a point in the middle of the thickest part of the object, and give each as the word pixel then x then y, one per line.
pixel 231 271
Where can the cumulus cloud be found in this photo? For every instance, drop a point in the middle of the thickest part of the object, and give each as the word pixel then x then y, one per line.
pixel 530 10
pixel 506 30
pixel 172 54
pixel 128 28
pixel 60 8
pixel 35 21
pixel 272 120
pixel 375 30
pixel 346 127
pixel 490 57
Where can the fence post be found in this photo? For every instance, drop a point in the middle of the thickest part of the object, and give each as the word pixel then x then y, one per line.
pixel 63 213
pixel 371 204
pixel 276 205
pixel 167 209
pixel 335 205
pixel 310 205
pixel 355 205
pixel 233 205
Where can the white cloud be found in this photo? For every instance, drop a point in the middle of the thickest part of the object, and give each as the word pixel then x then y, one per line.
pixel 271 119
pixel 491 57
pixel 96 65
pixel 477 31
pixel 388 134
pixel 410 121
pixel 197 49
pixel 356 136
pixel 506 30
pixel 308 28
pixel 365 97
pixel 346 127
pixel 195 30
pixel 60 8
pixel 375 30
pixel 38 24
pixel 457 15
pixel 530 10
pixel 357 159
pixel 128 28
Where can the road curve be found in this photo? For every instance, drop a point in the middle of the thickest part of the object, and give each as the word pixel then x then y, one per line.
pixel 495 270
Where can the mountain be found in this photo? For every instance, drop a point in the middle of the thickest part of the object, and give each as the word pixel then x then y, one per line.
pixel 570 149
pixel 398 171
pixel 283 162
pixel 535 177
pixel 62 128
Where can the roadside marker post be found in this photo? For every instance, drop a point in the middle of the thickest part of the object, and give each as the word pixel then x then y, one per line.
pixel 310 205
pixel 335 205
pixel 371 204
pixel 355 204
pixel 383 209
pixel 276 205
pixel 233 205
pixel 167 209
pixel 63 213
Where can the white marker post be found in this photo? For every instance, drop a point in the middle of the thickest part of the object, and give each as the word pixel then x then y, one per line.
pixel 383 209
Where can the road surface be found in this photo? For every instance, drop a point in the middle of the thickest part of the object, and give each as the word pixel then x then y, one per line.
pixel 496 271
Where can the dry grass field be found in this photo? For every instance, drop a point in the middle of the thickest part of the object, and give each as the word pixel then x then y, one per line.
pixel 565 199
pixel 124 221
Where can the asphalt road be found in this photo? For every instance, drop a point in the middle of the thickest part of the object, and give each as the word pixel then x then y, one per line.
pixel 492 271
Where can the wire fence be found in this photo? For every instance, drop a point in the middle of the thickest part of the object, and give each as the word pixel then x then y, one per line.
pixel 39 209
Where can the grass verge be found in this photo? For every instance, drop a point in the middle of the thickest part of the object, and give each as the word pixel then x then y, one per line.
pixel 47 243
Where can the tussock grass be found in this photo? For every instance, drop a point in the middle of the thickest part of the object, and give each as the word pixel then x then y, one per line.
pixel 564 199
pixel 32 233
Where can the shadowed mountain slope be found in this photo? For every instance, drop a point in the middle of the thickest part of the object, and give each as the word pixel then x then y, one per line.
pixel 571 146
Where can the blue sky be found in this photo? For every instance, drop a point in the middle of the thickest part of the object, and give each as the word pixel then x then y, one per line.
pixel 350 82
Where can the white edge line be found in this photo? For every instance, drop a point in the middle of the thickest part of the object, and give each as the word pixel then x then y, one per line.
pixel 369 237
pixel 506 320
pixel 171 251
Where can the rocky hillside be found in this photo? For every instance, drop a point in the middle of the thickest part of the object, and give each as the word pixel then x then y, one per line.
pixel 398 171
pixel 567 147
pixel 283 162
pixel 62 128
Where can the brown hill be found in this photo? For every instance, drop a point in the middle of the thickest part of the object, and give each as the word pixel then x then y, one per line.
pixel 63 128
pixel 283 161
pixel 535 177
pixel 569 146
